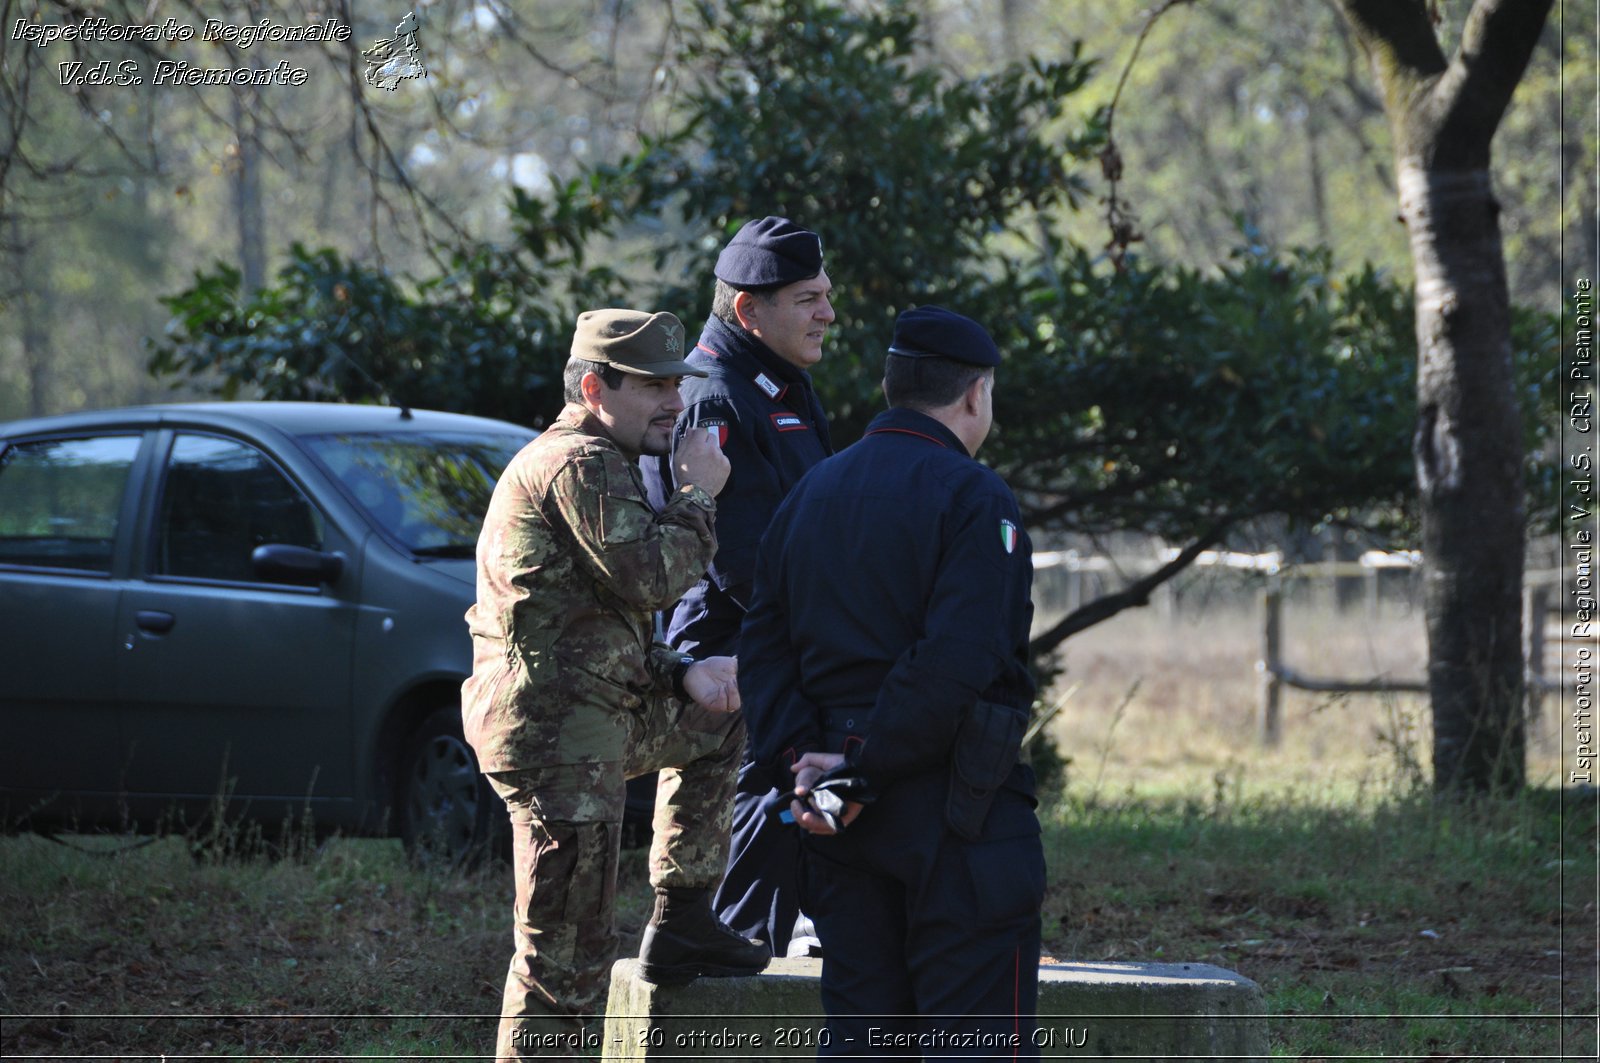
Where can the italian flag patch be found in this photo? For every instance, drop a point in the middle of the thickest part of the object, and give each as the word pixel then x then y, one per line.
pixel 1008 535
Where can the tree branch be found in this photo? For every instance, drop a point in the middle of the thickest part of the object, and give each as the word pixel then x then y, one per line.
pixel 1136 593
pixel 1447 110
pixel 1066 502
pixel 1406 59
pixel 1397 36
pixel 1496 43
pixel 1119 218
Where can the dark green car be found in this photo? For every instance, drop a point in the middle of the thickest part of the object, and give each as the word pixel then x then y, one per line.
pixel 251 607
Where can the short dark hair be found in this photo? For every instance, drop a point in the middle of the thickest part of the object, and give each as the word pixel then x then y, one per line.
pixel 927 383
pixel 572 377
pixel 723 295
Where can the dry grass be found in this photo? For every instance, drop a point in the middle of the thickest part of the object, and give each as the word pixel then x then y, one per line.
pixel 149 950
pixel 1322 868
pixel 1380 923
pixel 1168 707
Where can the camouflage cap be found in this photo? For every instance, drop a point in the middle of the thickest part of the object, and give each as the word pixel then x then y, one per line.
pixel 634 341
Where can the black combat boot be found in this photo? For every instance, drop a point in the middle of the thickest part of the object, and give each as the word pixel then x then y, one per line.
pixel 686 940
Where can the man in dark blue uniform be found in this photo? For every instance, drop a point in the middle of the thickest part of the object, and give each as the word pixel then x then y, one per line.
pixel 770 313
pixel 883 669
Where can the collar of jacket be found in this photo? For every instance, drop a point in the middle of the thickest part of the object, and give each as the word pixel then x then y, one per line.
pixel 748 356
pixel 576 417
pixel 901 420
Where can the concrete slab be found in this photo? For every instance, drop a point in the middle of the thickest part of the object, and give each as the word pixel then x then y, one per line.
pixel 1125 1011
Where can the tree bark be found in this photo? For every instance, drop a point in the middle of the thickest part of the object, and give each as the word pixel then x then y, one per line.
pixel 247 206
pixel 32 296
pixel 1468 442
pixel 1468 449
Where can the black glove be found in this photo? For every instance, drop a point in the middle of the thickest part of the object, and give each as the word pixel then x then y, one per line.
pixel 829 794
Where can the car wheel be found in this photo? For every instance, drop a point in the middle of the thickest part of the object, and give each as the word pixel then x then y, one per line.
pixel 448 815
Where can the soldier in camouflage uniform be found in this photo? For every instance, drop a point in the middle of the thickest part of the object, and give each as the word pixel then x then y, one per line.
pixel 569 696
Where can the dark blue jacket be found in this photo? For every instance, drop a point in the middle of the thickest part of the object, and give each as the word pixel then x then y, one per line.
pixel 772 430
pixel 893 590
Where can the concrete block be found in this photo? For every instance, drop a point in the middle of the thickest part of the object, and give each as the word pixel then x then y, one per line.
pixel 1125 1011
pixel 1149 1011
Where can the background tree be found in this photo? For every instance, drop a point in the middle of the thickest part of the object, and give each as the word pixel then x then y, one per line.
pixel 111 195
pixel 1266 112
pixel 1228 380
pixel 1443 113
pixel 1179 402
pixel 1233 118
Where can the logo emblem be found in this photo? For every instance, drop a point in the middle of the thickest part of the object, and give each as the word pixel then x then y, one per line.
pixel 717 427
pixel 789 422
pixel 1008 535
pixel 673 344
pixel 395 59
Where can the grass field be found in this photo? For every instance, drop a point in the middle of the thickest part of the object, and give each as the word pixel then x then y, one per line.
pixel 1380 923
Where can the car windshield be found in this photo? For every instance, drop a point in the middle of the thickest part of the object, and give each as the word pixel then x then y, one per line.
pixel 428 490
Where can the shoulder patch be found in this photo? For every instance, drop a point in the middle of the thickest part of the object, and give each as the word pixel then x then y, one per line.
pixel 789 422
pixel 765 383
pixel 1008 535
pixel 718 425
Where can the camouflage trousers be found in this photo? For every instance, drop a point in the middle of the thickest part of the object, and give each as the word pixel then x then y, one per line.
pixel 566 825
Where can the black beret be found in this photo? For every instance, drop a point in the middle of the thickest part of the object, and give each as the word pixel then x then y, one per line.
pixel 934 332
pixel 769 253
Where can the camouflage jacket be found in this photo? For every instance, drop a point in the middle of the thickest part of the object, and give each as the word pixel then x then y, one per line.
pixel 572 562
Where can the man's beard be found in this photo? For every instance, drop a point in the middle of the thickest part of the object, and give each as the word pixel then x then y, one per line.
pixel 653 449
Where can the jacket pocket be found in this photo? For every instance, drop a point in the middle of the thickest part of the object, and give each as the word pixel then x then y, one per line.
pixel 987 743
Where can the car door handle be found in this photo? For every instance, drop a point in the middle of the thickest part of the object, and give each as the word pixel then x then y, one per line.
pixel 154 621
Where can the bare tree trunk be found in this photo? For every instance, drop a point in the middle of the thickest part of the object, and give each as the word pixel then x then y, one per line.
pixel 1468 450
pixel 1468 443
pixel 1011 48
pixel 247 196
pixel 1319 191
pixel 31 291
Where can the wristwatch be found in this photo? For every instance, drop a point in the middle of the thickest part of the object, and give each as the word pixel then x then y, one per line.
pixel 680 670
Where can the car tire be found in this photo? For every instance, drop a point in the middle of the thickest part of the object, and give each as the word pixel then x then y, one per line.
pixel 448 815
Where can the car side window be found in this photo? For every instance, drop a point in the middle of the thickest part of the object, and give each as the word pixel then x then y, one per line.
pixel 60 500
pixel 219 501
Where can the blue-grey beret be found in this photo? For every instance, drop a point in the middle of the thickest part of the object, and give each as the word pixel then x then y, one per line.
pixel 934 332
pixel 769 253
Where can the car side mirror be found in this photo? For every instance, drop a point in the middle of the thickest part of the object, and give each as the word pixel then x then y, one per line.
pixel 298 565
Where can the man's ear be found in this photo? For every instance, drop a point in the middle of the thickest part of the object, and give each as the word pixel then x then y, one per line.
pixel 744 305
pixel 591 387
pixel 973 399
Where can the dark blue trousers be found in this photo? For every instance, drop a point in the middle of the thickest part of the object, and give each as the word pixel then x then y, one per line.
pixel 758 894
pixel 930 943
